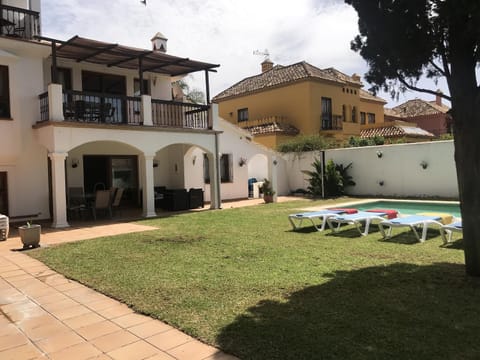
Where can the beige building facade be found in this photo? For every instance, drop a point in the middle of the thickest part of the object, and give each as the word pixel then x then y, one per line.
pixel 285 101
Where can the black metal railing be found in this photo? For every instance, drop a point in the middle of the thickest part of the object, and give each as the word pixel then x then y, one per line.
pixel 82 106
pixel 18 22
pixel 44 110
pixel 179 115
pixel 101 108
pixel 335 122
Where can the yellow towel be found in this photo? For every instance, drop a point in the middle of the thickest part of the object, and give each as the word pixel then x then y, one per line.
pixel 445 218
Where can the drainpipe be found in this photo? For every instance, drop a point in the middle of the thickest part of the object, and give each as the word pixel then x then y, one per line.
pixel 217 170
pixel 323 174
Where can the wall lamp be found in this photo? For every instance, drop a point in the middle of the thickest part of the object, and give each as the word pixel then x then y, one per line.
pixel 379 154
pixel 75 163
pixel 424 165
pixel 242 161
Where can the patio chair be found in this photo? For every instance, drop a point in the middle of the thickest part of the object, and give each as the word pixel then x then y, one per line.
pixel 411 221
pixel 4 227
pixel 357 219
pixel 447 231
pixel 76 202
pixel 321 215
pixel 117 199
pixel 103 201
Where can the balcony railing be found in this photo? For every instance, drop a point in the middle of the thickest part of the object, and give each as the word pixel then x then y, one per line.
pixel 89 107
pixel 181 115
pixel 101 108
pixel 18 22
pixel 333 123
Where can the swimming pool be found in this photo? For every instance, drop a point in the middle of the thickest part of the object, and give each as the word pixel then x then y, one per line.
pixel 412 207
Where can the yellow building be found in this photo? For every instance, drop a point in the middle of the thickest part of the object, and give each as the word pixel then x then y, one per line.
pixel 284 101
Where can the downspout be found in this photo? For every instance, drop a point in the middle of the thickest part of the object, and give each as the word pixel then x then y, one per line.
pixel 217 170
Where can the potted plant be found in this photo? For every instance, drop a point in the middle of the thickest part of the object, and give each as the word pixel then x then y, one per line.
pixel 30 235
pixel 267 191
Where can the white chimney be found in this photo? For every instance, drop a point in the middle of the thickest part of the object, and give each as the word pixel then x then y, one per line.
pixel 159 42
pixel 438 98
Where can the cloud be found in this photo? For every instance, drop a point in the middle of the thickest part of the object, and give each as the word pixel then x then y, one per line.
pixel 224 32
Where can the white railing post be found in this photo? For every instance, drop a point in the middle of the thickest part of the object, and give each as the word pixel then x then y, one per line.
pixel 146 110
pixel 55 102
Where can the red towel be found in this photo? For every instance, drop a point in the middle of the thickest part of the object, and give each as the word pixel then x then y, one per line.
pixel 391 214
pixel 345 210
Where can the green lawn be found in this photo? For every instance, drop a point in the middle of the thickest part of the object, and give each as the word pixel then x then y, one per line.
pixel 240 279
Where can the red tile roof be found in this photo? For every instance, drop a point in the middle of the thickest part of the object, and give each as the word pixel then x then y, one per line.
pixel 392 131
pixel 281 75
pixel 417 107
pixel 273 128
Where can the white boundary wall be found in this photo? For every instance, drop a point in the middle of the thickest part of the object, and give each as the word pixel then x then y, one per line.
pixel 398 169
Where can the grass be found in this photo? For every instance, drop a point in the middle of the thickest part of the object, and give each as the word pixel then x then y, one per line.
pixel 240 279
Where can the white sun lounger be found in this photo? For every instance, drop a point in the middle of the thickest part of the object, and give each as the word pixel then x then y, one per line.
pixel 448 230
pixel 411 221
pixel 321 216
pixel 357 220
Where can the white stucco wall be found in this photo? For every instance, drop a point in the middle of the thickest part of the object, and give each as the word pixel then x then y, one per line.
pixel 399 169
pixel 24 160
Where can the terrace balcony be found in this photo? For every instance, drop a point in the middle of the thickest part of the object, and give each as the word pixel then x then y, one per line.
pixel 95 108
pixel 19 23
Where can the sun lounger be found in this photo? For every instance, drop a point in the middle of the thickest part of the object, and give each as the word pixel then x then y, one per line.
pixel 413 222
pixel 320 216
pixel 357 220
pixel 448 230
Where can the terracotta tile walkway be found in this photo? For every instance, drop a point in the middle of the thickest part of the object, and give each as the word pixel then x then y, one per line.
pixel 44 315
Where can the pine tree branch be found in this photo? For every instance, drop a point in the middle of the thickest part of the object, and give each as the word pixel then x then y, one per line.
pixel 415 88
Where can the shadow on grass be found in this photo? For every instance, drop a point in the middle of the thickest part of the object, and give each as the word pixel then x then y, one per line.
pixel 407 237
pixel 400 311
pixel 455 244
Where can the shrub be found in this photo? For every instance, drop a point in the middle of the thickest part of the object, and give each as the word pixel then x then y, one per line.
pixel 336 178
pixel 304 143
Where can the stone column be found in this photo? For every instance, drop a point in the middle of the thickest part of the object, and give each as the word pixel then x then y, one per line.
pixel 148 192
pixel 59 193
pixel 146 110
pixel 55 102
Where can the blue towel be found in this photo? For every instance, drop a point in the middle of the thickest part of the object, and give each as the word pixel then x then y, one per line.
pixel 317 213
pixel 457 224
pixel 413 219
pixel 359 215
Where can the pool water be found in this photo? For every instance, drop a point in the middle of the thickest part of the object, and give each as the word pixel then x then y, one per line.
pixel 413 207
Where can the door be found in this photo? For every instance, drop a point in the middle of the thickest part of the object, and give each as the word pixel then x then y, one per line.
pixel 3 193
pixel 96 173
pixel 111 90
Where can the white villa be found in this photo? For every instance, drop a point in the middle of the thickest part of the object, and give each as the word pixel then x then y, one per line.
pixel 82 113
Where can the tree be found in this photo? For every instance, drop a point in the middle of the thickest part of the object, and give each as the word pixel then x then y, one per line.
pixel 401 40
pixel 194 95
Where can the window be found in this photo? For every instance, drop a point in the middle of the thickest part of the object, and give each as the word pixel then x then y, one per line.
pixel 371 118
pixel 64 78
pixel 354 114
pixel 4 93
pixel 226 169
pixel 344 112
pixel 243 115
pixel 326 113
pixel 362 118
pixel 136 87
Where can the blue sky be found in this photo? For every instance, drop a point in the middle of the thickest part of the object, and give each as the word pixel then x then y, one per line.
pixel 224 32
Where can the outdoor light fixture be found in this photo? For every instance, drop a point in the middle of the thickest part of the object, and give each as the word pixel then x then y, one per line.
pixel 242 161
pixel 74 163
pixel 155 164
pixel 379 154
pixel 424 165
pixel 381 183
